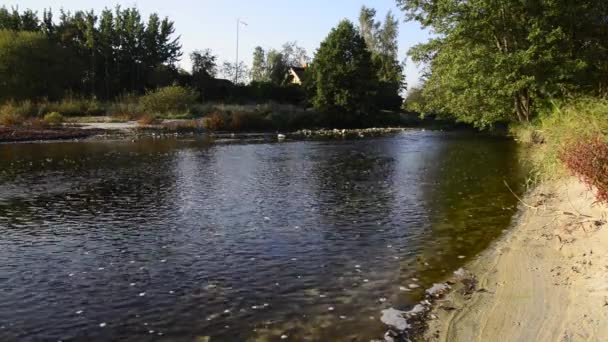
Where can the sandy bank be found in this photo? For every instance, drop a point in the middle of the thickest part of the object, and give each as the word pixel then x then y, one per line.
pixel 546 280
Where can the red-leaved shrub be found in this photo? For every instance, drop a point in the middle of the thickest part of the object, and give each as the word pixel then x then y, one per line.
pixel 588 159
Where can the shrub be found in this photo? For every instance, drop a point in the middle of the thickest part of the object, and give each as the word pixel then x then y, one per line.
pixel 77 107
pixel 169 99
pixel 126 107
pixel 9 119
pixel 53 119
pixel 147 119
pixel 216 121
pixel 555 131
pixel 242 121
pixel 588 159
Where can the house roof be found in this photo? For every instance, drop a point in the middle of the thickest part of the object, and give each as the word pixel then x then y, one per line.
pixel 298 71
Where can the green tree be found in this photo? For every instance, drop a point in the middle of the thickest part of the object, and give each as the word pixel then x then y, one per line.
pixel 258 67
pixel 382 41
pixel 342 78
pixel 500 60
pixel 30 66
pixel 229 72
pixel 273 65
pixel 369 27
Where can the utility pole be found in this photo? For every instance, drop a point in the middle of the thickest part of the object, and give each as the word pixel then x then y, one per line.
pixel 236 66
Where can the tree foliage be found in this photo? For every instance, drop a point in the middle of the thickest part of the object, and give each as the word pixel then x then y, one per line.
pixel 30 65
pixel 500 60
pixel 342 78
pixel 273 65
pixel 381 39
pixel 113 52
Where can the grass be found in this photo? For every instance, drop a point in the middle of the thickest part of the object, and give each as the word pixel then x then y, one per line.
pixel 567 140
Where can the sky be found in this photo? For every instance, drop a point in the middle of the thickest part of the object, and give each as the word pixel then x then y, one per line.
pixel 212 23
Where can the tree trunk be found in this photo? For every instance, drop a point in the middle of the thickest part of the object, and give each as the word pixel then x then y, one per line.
pixel 523 105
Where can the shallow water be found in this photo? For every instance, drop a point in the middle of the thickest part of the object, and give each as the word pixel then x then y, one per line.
pixel 177 240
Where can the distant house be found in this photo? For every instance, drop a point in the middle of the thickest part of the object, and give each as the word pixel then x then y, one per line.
pixel 297 74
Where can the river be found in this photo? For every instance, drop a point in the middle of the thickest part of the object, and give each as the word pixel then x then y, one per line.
pixel 176 240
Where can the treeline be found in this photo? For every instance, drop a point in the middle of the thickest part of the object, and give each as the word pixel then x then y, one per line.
pixel 117 54
pixel 506 61
pixel 84 53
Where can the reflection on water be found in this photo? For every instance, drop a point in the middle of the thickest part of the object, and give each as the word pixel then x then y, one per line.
pixel 176 240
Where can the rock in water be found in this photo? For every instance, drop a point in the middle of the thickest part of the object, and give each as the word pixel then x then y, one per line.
pixel 394 318
pixel 438 290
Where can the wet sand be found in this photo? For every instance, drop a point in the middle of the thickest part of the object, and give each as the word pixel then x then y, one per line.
pixel 545 280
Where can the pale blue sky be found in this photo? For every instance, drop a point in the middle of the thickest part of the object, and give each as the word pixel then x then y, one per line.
pixel 212 24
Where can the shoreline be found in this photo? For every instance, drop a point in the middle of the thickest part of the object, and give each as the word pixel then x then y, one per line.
pixel 546 279
pixel 134 132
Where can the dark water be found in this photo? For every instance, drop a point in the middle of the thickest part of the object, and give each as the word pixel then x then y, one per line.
pixel 180 240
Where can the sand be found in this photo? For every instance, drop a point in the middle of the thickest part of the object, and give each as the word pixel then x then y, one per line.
pixel 545 280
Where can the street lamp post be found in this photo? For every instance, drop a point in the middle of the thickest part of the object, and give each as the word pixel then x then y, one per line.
pixel 236 66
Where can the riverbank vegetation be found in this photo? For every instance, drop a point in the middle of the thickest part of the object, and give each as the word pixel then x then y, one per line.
pixel 538 66
pixel 119 64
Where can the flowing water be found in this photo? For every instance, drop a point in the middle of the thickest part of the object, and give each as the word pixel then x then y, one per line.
pixel 188 241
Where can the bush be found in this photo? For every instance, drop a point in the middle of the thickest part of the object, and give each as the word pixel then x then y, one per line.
pixel 126 107
pixel 10 119
pixel 53 119
pixel 253 121
pixel 588 159
pixel 147 119
pixel 77 107
pixel 215 122
pixel 172 99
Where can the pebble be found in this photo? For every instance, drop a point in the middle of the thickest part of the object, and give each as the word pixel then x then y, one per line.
pixel 142 294
pixel 132 284
pixel 461 257
pixel 284 337
pixel 414 286
pixel 331 308
pixel 102 325
pixel 79 312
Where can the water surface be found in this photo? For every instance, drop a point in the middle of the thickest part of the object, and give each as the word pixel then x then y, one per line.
pixel 177 240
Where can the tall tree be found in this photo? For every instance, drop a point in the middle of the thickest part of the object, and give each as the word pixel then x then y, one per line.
pixel 229 72
pixel 31 67
pixel 382 41
pixel 258 67
pixel 273 65
pixel 204 63
pixel 120 52
pixel 369 27
pixel 342 77
pixel 500 60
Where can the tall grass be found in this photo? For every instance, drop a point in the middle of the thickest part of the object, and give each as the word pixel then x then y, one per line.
pixel 565 133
